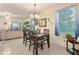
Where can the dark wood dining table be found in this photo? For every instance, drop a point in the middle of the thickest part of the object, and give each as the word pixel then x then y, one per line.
pixel 37 38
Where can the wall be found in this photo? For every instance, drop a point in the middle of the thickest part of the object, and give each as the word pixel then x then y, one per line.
pixel 51 14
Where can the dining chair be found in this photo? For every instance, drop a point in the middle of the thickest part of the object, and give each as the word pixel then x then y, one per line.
pixel 31 40
pixel 38 31
pixel 46 31
pixel 46 37
pixel 36 41
pixel 27 37
pixel 24 36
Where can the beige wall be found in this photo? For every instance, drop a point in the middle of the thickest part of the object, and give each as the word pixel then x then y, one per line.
pixel 51 14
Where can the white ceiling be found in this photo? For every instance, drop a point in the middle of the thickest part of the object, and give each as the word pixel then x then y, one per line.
pixel 23 7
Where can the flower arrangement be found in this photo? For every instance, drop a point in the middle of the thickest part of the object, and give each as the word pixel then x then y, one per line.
pixel 26 26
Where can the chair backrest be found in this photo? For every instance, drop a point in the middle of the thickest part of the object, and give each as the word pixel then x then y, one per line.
pixel 38 31
pixel 24 33
pixel 46 31
pixel 27 35
pixel 31 34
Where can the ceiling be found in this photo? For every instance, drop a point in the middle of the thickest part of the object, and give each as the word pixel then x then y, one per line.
pixel 23 10
pixel 23 7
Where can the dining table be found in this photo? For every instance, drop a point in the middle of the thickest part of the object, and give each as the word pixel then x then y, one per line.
pixel 39 37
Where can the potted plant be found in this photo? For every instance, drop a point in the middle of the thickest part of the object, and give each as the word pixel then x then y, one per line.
pixel 26 26
pixel 69 37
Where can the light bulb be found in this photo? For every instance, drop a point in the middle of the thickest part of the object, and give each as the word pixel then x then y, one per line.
pixel 36 15
pixel 31 15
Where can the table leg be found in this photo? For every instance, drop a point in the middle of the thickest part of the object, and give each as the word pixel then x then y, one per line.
pixel 36 49
pixel 73 48
pixel 48 41
pixel 67 45
pixel 41 46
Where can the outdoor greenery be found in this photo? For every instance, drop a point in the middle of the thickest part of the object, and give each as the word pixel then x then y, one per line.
pixel 66 24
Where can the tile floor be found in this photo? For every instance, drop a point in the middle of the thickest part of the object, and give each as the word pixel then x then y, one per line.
pixel 16 47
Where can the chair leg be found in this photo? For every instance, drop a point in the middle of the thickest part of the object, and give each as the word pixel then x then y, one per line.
pixel 30 45
pixel 36 50
pixel 48 41
pixel 23 40
pixel 41 46
pixel 33 49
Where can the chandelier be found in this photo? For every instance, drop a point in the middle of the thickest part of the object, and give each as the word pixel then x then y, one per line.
pixel 34 15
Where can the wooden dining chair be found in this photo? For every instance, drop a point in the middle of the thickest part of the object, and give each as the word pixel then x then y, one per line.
pixel 46 31
pixel 46 37
pixel 24 36
pixel 38 31
pixel 32 40
pixel 27 37
pixel 34 44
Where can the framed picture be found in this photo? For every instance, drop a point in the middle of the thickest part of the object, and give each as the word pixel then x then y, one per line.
pixel 43 22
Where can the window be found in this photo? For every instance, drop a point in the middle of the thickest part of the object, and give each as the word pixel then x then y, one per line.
pixel 16 26
pixel 66 21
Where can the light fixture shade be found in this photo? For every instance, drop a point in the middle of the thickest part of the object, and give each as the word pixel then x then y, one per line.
pixel 34 16
pixel 31 16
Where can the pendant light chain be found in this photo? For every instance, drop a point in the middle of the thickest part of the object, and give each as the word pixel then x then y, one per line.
pixel 34 10
pixel 34 15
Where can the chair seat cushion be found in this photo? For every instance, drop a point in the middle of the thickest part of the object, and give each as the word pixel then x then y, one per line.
pixel 77 46
pixel 40 41
pixel 44 37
